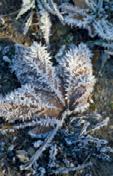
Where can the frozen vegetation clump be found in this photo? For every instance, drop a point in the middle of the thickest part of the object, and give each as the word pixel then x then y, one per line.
pixel 48 97
pixel 55 89
pixel 48 93
pixel 95 16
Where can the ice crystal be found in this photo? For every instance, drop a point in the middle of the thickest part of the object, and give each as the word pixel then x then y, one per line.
pixel 42 9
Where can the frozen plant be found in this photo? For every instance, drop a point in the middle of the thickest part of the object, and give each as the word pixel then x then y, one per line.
pixel 42 9
pixel 78 146
pixel 48 93
pixel 94 18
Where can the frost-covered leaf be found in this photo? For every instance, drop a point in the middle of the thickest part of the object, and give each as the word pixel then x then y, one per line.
pixel 76 73
pixel 28 23
pixel 26 6
pixel 26 103
pixel 45 23
pixel 52 8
